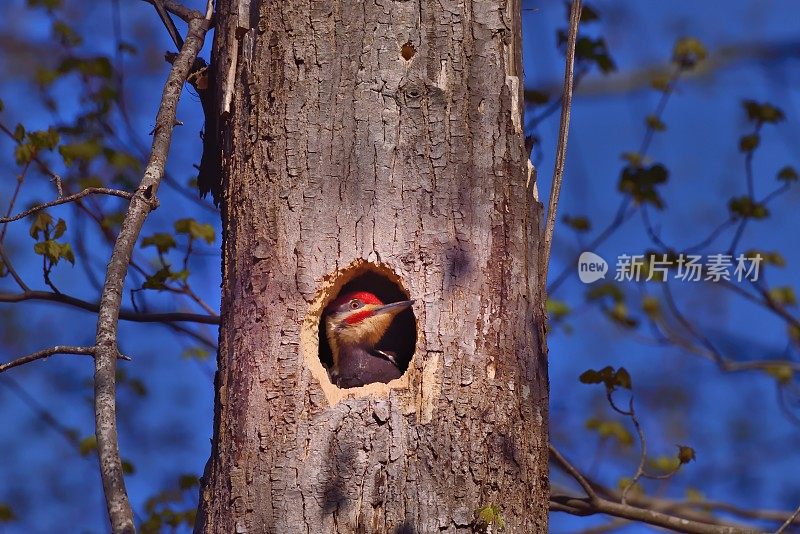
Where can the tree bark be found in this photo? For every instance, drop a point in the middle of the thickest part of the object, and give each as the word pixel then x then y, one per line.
pixel 384 136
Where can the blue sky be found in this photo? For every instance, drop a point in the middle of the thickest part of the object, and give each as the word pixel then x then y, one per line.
pixel 744 445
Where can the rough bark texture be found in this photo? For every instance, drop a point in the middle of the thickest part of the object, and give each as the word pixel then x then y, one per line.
pixel 339 149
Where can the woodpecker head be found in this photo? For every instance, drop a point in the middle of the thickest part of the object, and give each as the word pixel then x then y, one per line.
pixel 358 319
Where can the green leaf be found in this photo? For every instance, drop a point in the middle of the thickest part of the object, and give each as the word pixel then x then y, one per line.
pixel 634 158
pixel 187 482
pixel 622 378
pixel 6 513
pixel 44 139
pixel 47 4
pixel 768 258
pixel 588 14
pixel 610 429
pixel 591 376
pixel 19 132
pixel 61 227
pixel 748 143
pixel 608 376
pixel 783 296
pixel 98 66
pixel 685 454
pixel 67 253
pixel 606 289
pixel 113 220
pixel 24 153
pixel 157 280
pixel 665 464
pixel 537 97
pixel 688 52
pixel 85 182
pixel 179 276
pixel 619 314
pixel 782 373
pixel 195 229
pixel 641 183
pixel 128 468
pixel 794 333
pixel 747 208
pixel 87 445
pixel 45 77
pixel 557 309
pixel 787 174
pixel 489 515
pixel 196 353
pixel 591 51
pixel 161 240
pixel 54 251
pixel 654 123
pixel 84 150
pixel 127 48
pixel 122 160
pixel 761 113
pixel 661 82
pixel 651 306
pixel 137 387
pixel 41 222
pixel 694 495
pixel 65 34
pixel 579 224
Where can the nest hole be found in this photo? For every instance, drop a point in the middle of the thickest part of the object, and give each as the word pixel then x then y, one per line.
pixel 400 338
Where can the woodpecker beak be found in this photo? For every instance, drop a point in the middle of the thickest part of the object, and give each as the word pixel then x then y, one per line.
pixel 393 308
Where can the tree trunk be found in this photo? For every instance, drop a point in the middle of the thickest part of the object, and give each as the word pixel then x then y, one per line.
pixel 381 138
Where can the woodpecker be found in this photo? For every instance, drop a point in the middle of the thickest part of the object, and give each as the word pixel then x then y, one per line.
pixel 355 323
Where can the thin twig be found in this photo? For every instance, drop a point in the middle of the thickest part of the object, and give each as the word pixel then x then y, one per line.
pixel 573 472
pixel 178 9
pixel 788 522
pixel 46 353
pixel 168 23
pixel 584 507
pixel 621 216
pixel 69 198
pixel 125 315
pixel 143 201
pixel 563 131
pixel 17 189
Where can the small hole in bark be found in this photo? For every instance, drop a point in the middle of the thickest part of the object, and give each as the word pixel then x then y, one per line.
pixel 373 334
pixel 407 51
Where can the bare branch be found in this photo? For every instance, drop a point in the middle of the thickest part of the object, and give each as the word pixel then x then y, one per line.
pixel 563 131
pixel 143 201
pixel 64 200
pixel 789 521
pixel 168 24
pixel 125 315
pixel 178 9
pixel 573 472
pixel 17 189
pixel 10 268
pixel 583 507
pixel 46 353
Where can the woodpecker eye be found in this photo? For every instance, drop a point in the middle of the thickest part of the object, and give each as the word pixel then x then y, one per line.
pixel 355 304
